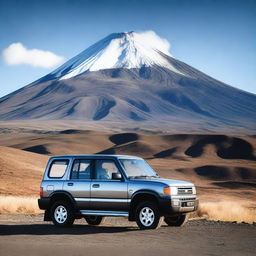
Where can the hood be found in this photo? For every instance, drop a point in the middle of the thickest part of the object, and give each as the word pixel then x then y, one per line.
pixel 169 182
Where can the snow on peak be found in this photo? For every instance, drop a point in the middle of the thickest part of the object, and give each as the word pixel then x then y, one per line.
pixel 119 50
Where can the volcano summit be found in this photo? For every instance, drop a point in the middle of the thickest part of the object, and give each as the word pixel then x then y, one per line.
pixel 121 50
pixel 131 77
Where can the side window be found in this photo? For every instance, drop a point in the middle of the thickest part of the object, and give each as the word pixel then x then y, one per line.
pixel 58 168
pixel 104 169
pixel 81 170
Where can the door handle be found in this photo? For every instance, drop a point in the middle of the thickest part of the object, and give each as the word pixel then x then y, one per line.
pixel 70 184
pixel 95 185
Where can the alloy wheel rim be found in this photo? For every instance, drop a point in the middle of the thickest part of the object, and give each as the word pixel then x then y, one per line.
pixel 60 214
pixel 147 216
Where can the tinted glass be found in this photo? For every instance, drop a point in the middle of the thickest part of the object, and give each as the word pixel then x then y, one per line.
pixel 137 168
pixel 81 169
pixel 58 168
pixel 104 169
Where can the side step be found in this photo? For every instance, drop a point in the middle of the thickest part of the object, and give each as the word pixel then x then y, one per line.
pixel 104 213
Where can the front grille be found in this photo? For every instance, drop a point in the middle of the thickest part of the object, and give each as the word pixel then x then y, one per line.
pixel 185 191
pixel 187 199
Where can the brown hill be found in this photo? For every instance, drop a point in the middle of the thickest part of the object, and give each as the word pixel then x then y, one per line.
pixel 213 162
pixel 20 172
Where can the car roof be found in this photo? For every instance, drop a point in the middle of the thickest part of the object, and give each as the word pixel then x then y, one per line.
pixel 97 156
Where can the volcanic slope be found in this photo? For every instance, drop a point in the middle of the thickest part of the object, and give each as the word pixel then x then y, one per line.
pixel 126 77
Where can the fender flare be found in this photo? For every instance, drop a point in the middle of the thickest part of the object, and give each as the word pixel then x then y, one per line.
pixel 147 192
pixel 62 192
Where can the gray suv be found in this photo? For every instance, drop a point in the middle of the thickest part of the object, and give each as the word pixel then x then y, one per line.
pixel 96 186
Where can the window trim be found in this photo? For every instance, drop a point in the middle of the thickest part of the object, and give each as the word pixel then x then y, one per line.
pixel 50 167
pixel 81 159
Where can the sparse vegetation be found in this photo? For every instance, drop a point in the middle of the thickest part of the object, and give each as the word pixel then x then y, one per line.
pixel 18 205
pixel 223 211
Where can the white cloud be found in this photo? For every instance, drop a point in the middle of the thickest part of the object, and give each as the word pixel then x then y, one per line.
pixel 150 39
pixel 17 53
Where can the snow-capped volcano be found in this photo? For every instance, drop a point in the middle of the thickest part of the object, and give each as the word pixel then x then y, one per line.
pixel 132 78
pixel 119 50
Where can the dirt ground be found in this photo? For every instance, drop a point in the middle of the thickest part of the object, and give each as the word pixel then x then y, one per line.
pixel 29 235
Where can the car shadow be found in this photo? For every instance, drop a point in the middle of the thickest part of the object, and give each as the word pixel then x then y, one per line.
pixel 48 229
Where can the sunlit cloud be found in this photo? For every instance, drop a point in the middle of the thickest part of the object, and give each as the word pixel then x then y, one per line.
pixel 150 39
pixel 18 54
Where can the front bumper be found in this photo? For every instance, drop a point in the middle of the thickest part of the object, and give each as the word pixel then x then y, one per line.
pixel 179 204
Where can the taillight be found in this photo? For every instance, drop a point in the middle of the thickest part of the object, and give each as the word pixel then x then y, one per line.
pixel 41 192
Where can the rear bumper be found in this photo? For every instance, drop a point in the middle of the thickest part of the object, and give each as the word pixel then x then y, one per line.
pixel 44 203
pixel 178 205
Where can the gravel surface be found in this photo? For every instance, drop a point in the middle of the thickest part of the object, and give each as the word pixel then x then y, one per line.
pixel 29 235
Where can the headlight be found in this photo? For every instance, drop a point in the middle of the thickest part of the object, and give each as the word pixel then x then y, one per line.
pixel 174 191
pixel 170 191
pixel 194 190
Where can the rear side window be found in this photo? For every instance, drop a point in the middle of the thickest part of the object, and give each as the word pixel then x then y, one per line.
pixel 81 170
pixel 58 168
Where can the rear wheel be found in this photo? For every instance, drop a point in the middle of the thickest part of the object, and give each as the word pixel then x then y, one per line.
pixel 62 214
pixel 179 220
pixel 94 220
pixel 148 215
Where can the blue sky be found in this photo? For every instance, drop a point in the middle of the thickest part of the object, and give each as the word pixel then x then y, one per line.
pixel 216 37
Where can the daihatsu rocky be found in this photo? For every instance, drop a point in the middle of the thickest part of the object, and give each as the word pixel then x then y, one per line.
pixel 96 186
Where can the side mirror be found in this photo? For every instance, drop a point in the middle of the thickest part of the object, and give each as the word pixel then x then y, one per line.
pixel 116 176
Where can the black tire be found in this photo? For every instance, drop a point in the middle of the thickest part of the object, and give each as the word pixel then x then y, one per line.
pixel 148 211
pixel 67 214
pixel 94 220
pixel 176 221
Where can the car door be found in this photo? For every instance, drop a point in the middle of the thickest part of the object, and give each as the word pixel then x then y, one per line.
pixel 106 193
pixel 79 182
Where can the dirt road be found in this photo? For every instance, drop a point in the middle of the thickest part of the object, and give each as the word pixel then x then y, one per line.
pixel 28 235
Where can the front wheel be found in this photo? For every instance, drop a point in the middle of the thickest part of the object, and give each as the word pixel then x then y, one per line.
pixel 148 215
pixel 62 214
pixel 94 220
pixel 179 220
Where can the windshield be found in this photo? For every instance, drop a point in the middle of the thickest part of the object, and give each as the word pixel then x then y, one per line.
pixel 137 168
